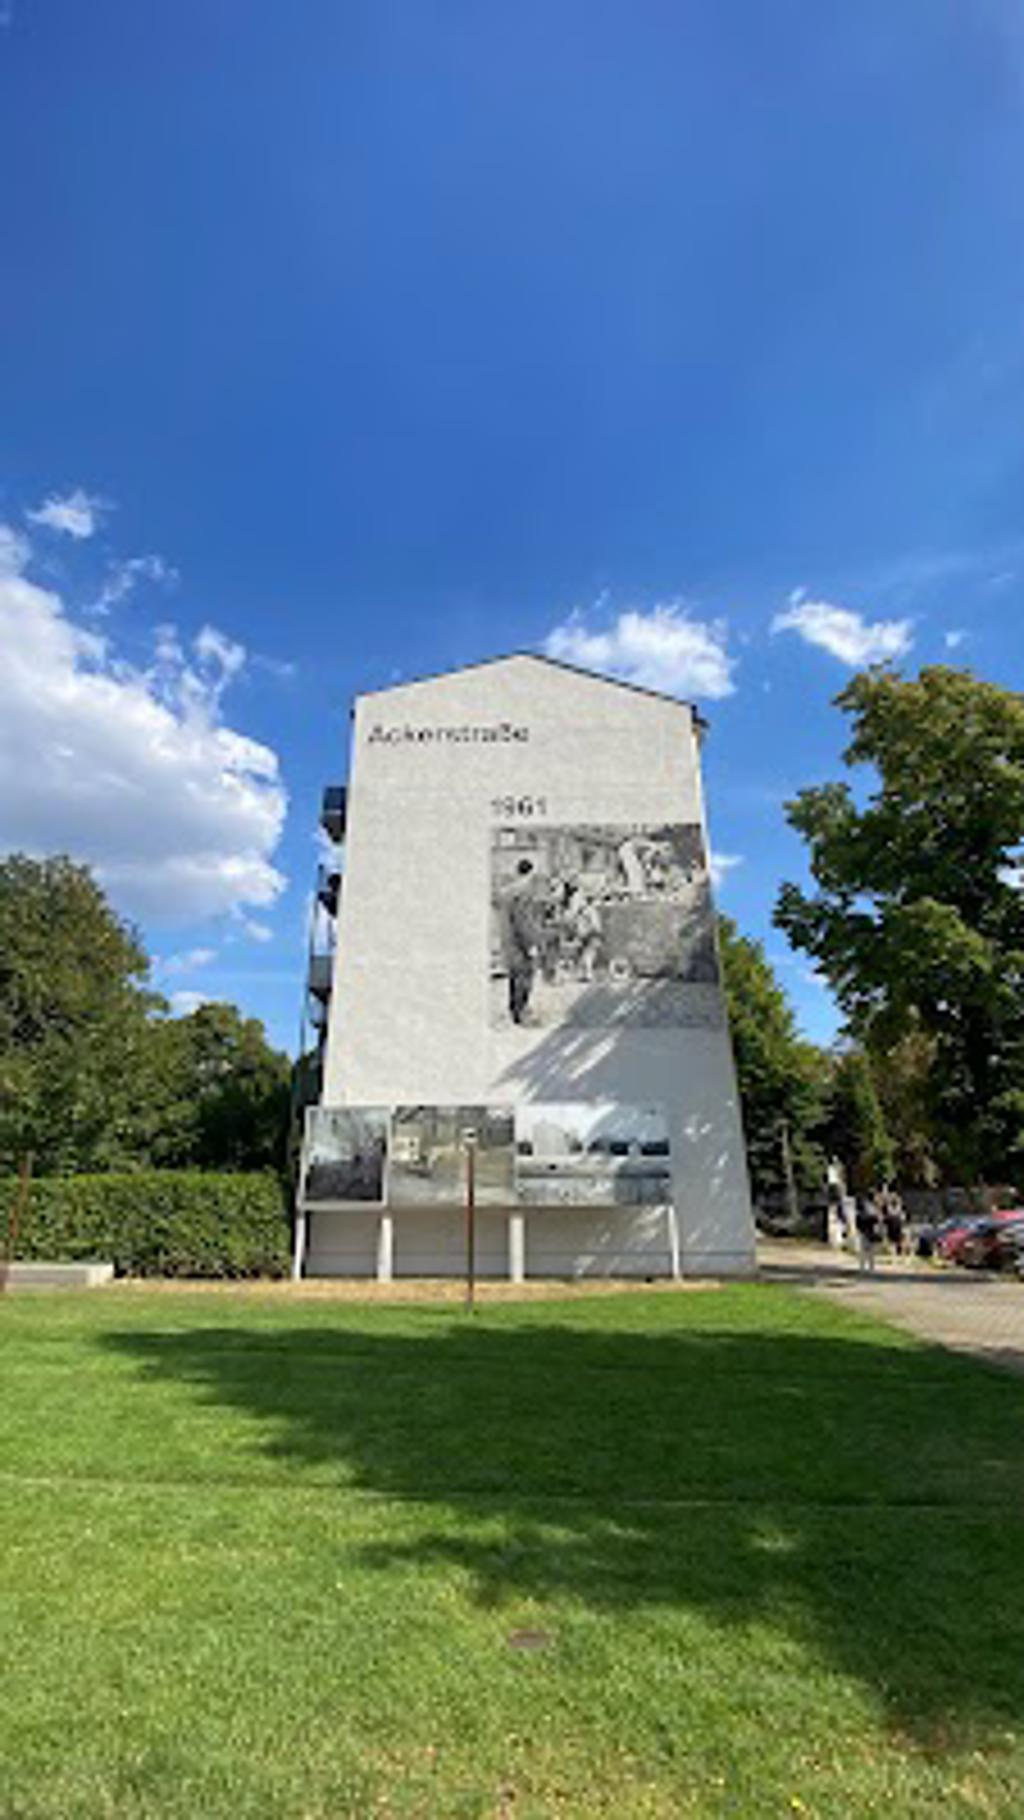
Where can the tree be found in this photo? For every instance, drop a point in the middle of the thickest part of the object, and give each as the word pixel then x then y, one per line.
pixel 856 1131
pixel 783 1080
pixel 902 1077
pixel 916 919
pixel 73 1017
pixel 93 1074
pixel 221 1095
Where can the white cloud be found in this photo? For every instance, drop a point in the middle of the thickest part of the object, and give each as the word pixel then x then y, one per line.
pixel 283 668
pixel 844 633
pixel 76 514
pixel 191 958
pixel 257 932
pixel 129 769
pixel 215 648
pixel 664 648
pixel 952 639
pixel 811 977
pixel 184 1002
pixel 721 864
pixel 195 687
pixel 808 976
pixel 124 577
pixel 14 551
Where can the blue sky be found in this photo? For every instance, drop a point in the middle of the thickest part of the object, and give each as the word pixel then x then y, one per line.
pixel 350 341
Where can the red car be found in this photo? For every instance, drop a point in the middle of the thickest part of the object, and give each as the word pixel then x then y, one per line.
pixel 975 1243
pixel 949 1240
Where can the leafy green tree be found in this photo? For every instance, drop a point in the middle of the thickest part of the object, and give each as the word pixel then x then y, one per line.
pixel 219 1095
pixel 783 1080
pixel 73 1018
pixel 916 919
pixel 856 1131
pixel 902 1077
pixel 93 1075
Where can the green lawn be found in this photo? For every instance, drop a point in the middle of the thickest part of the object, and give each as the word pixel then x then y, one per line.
pixel 273 1558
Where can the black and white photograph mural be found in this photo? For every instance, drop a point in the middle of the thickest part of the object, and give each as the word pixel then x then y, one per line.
pixel 599 925
pixel 597 1155
pixel 345 1154
pixel 428 1155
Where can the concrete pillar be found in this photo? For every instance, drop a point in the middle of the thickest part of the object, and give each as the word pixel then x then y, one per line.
pixel 299 1250
pixel 672 1227
pixel 517 1248
pixel 386 1249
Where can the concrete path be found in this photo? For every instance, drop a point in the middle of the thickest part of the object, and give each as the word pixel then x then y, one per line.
pixel 968 1310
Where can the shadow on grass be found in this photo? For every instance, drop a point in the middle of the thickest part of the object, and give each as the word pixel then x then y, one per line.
pixel 866 1502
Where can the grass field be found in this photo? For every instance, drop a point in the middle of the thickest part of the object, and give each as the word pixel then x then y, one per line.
pixel 729 1553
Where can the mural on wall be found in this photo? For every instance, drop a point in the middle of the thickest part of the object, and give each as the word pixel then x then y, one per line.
pixel 602 924
pixel 345 1154
pixel 428 1155
pixel 597 1155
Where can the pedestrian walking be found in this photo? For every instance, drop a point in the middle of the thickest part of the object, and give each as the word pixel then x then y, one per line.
pixel 895 1221
pixel 869 1231
pixel 851 1239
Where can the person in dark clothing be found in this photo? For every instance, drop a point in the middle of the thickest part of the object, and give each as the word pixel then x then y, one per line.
pixel 869 1231
pixel 519 940
pixel 895 1223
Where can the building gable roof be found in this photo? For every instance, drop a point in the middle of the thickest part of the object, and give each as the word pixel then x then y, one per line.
pixel 553 663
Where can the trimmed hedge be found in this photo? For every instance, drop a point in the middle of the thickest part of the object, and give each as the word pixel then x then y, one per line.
pixel 158 1222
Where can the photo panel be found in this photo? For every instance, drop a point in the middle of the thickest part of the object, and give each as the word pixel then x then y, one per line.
pixel 346 1149
pixel 428 1156
pixel 592 1155
pixel 602 924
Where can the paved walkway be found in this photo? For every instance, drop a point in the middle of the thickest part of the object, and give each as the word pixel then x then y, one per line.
pixel 970 1311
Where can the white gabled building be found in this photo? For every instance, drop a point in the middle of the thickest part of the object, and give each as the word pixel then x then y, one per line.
pixel 524 925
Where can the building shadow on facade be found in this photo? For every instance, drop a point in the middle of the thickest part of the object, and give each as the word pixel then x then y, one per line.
pixel 579 1063
pixel 591 1052
pixel 864 1500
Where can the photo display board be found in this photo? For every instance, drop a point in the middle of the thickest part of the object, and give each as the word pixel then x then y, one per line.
pixel 602 924
pixel 346 1150
pixel 542 1154
pixel 597 1155
pixel 428 1155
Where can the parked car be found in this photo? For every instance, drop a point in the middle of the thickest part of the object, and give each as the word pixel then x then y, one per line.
pixel 929 1237
pixel 950 1236
pixel 976 1248
pixel 1008 1247
pixel 973 1244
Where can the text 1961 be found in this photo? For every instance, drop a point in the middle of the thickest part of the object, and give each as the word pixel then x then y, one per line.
pixel 510 807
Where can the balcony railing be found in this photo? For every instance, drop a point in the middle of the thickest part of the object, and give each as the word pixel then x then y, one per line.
pixel 328 890
pixel 321 975
pixel 333 811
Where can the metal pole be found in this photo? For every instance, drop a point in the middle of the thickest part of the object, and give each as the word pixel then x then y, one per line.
pixel 470 1224
pixel 15 1216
